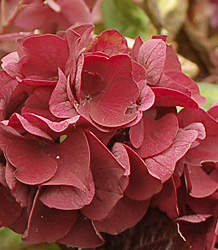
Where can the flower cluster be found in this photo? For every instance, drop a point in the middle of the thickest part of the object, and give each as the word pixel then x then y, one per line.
pixel 90 137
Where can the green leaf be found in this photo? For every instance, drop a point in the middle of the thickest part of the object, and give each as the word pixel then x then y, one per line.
pixel 126 17
pixel 12 241
pixel 210 91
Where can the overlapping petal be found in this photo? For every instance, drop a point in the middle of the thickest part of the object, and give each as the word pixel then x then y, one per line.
pixel 10 209
pixel 207 150
pixel 163 165
pixel 83 233
pixel 107 173
pixel 41 55
pixel 111 42
pixel 145 135
pixel 110 100
pixel 200 184
pixel 42 226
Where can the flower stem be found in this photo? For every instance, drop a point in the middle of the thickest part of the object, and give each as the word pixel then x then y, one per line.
pixel 3 18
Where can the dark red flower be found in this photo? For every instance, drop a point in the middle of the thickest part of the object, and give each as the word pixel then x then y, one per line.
pixel 90 137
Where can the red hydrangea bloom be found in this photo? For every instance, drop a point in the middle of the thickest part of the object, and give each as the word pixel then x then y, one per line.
pixel 91 137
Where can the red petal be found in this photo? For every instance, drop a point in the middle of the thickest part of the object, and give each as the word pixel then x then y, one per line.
pixel 124 215
pixel 135 50
pixel 168 97
pixel 54 6
pixel 172 61
pixel 108 68
pixel 10 209
pixel 142 185
pixel 110 108
pixel 195 218
pixel 20 225
pixel 208 148
pixel 199 232
pixel 2 174
pixel 166 200
pixel 19 191
pixel 162 166
pixel 201 184
pixel 112 88
pixel 37 103
pixel 200 129
pixel 165 128
pixel 147 97
pixel 213 111
pixel 83 234
pixel 48 224
pixel 79 36
pixel 183 80
pixel 138 72
pixel 204 206
pixel 60 105
pixel 107 173
pixel 120 152
pixel 169 83
pixel 34 165
pixel 35 81
pixel 152 54
pixel 42 124
pixel 67 197
pixel 73 161
pixel 10 64
pixel 41 52
pixel 111 42
pixel 137 134
pixel 7 134
pixel 17 121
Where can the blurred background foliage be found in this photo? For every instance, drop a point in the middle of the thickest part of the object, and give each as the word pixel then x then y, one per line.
pixel 192 28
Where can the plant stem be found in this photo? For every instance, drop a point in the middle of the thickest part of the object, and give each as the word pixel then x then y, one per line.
pixel 3 18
